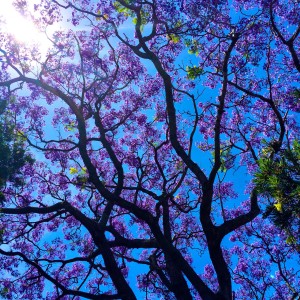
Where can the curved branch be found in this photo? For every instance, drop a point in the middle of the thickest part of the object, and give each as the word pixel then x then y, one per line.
pixel 65 290
pixel 233 224
pixel 289 43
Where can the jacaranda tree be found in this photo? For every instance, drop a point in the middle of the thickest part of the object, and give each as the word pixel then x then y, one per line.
pixel 147 122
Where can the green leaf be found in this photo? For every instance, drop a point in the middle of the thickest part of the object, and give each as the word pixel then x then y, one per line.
pixel 193 72
pixel 174 38
pixel 290 240
pixel 73 171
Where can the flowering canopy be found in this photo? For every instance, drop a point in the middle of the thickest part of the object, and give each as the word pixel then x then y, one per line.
pixel 145 122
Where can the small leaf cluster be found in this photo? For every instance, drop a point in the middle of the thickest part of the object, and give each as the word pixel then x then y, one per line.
pixel 194 72
pixel 122 9
pixel 296 93
pixel 174 38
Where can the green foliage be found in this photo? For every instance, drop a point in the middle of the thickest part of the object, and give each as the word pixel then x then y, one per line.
pixel 128 13
pixel 174 38
pixel 3 293
pixel 296 93
pixel 12 152
pixel 122 9
pixel 279 179
pixel 193 46
pixel 193 72
pixel 71 127
pixel 225 157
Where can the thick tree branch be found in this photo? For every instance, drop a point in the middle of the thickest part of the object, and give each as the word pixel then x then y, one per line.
pixel 64 290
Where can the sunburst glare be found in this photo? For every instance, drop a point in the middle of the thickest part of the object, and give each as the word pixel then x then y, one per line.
pixel 22 29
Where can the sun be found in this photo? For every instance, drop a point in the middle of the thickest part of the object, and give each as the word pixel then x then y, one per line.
pixel 22 29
